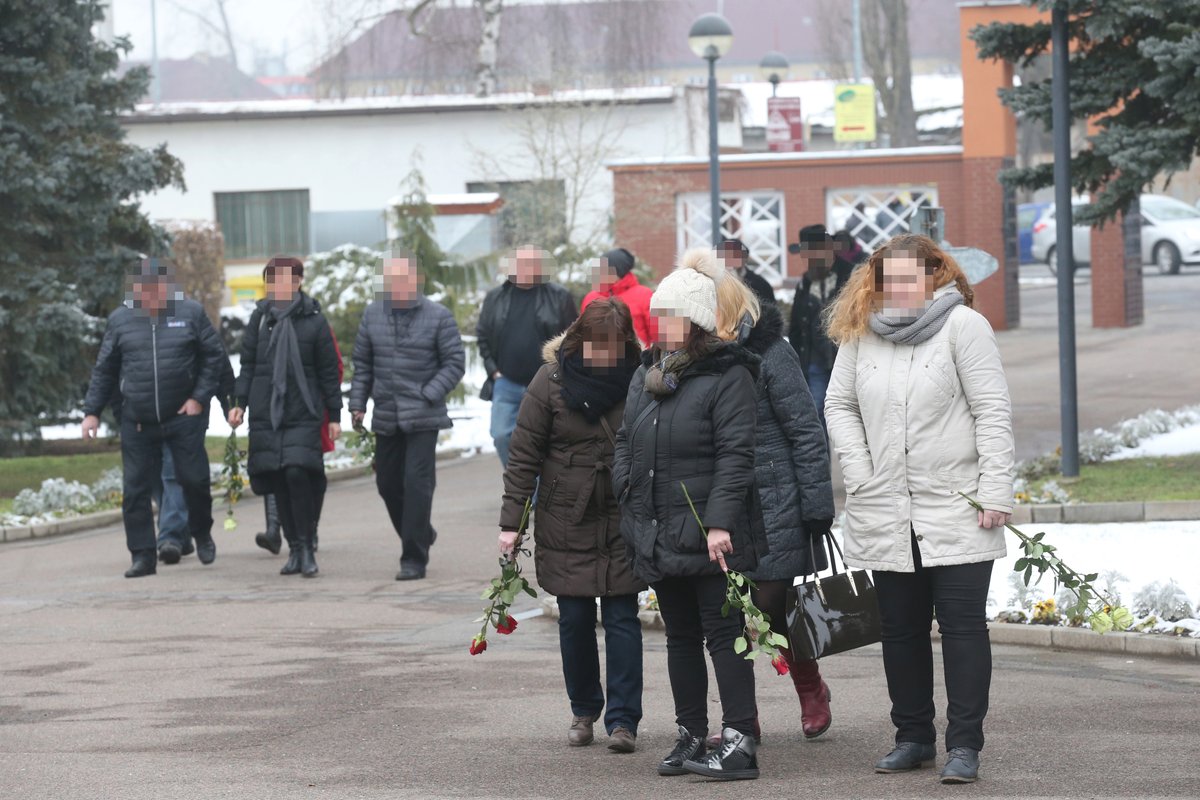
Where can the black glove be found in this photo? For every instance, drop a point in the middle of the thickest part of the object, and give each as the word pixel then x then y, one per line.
pixel 817 528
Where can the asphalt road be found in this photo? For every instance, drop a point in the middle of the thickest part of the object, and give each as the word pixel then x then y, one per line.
pixel 230 681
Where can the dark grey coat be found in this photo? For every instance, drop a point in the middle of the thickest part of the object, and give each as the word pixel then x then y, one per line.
pixel 408 363
pixel 297 441
pixel 155 366
pixel 701 435
pixel 791 457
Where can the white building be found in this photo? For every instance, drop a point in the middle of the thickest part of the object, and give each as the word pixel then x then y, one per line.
pixel 302 176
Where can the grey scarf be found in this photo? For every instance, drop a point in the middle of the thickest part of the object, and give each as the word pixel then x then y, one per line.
pixel 901 330
pixel 284 350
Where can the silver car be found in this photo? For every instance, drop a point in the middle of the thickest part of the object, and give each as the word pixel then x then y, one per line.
pixel 1170 235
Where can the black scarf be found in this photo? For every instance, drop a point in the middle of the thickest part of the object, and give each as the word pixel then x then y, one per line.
pixel 591 392
pixel 284 350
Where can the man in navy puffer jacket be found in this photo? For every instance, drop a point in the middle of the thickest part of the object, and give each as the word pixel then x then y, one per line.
pixel 162 355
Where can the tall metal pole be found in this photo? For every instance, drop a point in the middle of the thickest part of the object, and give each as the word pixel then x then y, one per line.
pixel 1064 221
pixel 856 17
pixel 156 80
pixel 714 163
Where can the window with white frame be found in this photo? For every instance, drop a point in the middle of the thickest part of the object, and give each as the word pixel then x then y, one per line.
pixel 874 214
pixel 754 217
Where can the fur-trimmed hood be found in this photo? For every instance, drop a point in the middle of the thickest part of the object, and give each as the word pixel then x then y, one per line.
pixel 766 332
pixel 550 348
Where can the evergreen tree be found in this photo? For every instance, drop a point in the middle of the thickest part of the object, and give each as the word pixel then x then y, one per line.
pixel 69 220
pixel 1135 68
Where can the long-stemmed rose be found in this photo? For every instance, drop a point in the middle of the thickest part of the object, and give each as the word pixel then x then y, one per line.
pixel 757 626
pixel 503 591
pixel 1103 617
pixel 232 479
pixel 362 441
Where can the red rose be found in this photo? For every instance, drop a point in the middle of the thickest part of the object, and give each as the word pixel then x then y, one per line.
pixel 478 646
pixel 507 626
pixel 780 664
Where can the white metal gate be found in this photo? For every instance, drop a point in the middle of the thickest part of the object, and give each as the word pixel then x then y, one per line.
pixel 875 214
pixel 754 217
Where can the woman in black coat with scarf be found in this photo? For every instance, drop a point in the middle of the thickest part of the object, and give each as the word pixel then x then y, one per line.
pixel 288 380
pixel 689 421
pixel 791 462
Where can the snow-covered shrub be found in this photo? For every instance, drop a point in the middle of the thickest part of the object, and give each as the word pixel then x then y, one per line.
pixel 109 487
pixel 1098 446
pixel 1166 600
pixel 55 495
pixel 1148 423
pixel 343 282
pixel 1023 596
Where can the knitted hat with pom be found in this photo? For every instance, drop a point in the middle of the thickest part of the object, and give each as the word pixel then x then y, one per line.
pixel 691 290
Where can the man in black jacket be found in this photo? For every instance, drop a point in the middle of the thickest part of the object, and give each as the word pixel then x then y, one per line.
pixel 517 317
pixel 825 273
pixel 734 254
pixel 162 354
pixel 408 356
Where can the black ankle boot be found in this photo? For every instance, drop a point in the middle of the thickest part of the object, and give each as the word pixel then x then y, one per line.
pixel 735 760
pixel 270 538
pixel 144 563
pixel 292 567
pixel 687 747
pixel 308 564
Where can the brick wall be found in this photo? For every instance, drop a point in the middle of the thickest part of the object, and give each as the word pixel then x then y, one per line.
pixel 1117 273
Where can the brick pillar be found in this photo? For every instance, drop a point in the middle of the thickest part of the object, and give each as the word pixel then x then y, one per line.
pixel 1117 272
pixel 988 222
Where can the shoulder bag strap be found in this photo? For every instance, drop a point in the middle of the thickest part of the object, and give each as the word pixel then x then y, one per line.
pixel 612 437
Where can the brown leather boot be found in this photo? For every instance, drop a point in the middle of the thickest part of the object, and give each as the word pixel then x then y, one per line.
pixel 814 694
pixel 580 734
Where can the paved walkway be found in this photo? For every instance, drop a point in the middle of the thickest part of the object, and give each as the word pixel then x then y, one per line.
pixel 230 681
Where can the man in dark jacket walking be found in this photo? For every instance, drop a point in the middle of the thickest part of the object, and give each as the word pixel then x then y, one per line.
pixel 734 254
pixel 517 317
pixel 408 357
pixel 161 352
pixel 825 273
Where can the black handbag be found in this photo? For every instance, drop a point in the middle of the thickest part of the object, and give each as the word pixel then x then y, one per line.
pixel 833 614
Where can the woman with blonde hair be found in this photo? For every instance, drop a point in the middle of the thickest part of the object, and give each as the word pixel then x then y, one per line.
pixel 918 411
pixel 791 465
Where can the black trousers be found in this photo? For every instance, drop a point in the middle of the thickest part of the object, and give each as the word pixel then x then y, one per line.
pixel 141 460
pixel 691 611
pixel 906 605
pixel 298 494
pixel 320 484
pixel 405 474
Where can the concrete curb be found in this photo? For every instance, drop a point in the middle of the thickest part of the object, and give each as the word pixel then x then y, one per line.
pixel 1150 511
pixel 112 516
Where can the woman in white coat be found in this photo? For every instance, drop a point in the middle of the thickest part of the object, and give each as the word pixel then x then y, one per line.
pixel 918 411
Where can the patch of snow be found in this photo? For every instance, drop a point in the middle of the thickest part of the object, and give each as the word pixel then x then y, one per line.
pixel 1180 441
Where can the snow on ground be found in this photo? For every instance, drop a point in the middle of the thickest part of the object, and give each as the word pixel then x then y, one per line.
pixel 1180 441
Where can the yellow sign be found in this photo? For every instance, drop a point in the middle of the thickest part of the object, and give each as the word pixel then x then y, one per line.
pixel 854 112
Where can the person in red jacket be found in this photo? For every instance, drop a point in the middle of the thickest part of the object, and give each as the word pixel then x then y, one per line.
pixel 613 276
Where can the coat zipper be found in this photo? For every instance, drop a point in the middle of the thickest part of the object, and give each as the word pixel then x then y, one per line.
pixel 154 353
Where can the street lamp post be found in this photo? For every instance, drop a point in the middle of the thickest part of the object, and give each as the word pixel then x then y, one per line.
pixel 774 67
pixel 710 38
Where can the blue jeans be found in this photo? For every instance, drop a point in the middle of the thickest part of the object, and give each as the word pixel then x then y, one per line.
pixel 172 509
pixel 506 402
pixel 818 384
pixel 623 658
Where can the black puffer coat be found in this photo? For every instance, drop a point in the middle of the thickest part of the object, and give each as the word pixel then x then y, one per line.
pixel 407 361
pixel 297 442
pixel 156 365
pixel 791 458
pixel 702 435
pixel 579 549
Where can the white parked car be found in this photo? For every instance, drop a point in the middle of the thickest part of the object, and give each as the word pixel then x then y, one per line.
pixel 1170 235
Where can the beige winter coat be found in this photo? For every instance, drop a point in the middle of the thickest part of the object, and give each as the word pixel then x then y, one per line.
pixel 913 425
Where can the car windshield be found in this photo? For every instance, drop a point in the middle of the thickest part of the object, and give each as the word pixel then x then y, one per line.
pixel 1166 208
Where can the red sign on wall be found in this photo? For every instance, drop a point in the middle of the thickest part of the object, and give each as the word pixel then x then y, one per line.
pixel 785 126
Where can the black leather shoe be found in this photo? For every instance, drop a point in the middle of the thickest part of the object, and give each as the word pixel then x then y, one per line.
pixel 906 757
pixel 308 564
pixel 206 550
pixel 410 572
pixel 169 553
pixel 962 765
pixel 687 747
pixel 188 548
pixel 292 567
pixel 268 542
pixel 735 760
pixel 143 565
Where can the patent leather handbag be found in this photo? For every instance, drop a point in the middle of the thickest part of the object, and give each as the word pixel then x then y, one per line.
pixel 833 614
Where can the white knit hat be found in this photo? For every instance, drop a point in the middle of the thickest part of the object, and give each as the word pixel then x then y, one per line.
pixel 691 290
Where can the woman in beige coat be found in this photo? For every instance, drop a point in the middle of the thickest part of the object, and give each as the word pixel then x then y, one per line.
pixel 918 411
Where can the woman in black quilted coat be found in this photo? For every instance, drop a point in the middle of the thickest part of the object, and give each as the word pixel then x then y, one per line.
pixel 791 465
pixel 288 380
